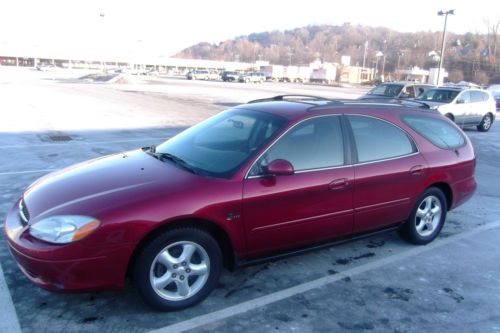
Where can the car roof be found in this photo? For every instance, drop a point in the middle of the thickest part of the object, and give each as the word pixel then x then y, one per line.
pixel 297 106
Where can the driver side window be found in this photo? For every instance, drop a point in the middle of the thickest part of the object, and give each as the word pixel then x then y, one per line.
pixel 313 144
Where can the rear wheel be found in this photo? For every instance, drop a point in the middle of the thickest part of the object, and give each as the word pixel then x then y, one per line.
pixel 178 269
pixel 427 218
pixel 485 124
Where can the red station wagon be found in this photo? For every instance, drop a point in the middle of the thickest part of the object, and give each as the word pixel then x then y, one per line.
pixel 254 181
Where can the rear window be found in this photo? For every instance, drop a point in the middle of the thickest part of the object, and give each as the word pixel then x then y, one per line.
pixel 439 132
pixel 389 90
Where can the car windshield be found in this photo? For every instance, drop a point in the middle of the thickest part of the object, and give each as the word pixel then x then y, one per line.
pixel 439 95
pixel 389 90
pixel 220 145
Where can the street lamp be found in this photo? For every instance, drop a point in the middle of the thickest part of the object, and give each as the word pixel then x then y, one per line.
pixel 103 62
pixel 444 13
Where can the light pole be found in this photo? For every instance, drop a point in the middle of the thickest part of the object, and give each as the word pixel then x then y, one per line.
pixel 103 65
pixel 444 13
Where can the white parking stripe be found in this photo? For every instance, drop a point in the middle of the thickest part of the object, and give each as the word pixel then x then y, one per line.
pixel 256 303
pixel 10 173
pixel 9 322
pixel 57 144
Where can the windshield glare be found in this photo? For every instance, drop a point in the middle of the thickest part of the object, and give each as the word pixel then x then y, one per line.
pixel 439 95
pixel 220 145
pixel 389 90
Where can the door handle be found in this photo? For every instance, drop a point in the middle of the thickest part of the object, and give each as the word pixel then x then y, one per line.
pixel 338 184
pixel 416 170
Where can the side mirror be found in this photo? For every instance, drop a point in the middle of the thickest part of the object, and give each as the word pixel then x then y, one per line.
pixel 279 168
pixel 460 101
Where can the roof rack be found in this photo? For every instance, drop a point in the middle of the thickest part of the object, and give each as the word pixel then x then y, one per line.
pixel 387 103
pixel 308 99
pixel 313 101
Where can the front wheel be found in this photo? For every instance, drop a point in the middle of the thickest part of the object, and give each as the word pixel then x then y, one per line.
pixel 427 218
pixel 178 269
pixel 485 124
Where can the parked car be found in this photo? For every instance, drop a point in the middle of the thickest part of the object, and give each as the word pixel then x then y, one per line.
pixel 200 74
pixel 466 107
pixel 228 76
pixel 257 180
pixel 495 91
pixel 398 90
pixel 252 77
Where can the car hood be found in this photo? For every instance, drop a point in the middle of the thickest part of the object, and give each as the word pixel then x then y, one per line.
pixel 102 184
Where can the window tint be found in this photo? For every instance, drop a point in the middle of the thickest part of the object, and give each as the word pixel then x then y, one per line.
pixel 437 131
pixel 313 144
pixel 377 140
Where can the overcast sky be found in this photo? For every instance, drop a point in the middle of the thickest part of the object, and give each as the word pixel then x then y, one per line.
pixel 166 27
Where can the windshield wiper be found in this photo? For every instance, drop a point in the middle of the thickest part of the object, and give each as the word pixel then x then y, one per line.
pixel 167 156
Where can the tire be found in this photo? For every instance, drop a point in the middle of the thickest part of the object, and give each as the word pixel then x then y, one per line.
pixel 182 283
pixel 426 219
pixel 485 124
pixel 450 116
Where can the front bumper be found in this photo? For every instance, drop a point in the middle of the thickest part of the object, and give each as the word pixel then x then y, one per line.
pixel 70 267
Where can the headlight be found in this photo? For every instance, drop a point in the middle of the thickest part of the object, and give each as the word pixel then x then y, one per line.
pixel 64 229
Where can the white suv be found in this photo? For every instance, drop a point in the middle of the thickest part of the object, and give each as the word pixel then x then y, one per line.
pixel 466 107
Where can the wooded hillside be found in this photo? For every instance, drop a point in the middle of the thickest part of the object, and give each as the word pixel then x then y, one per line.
pixel 471 57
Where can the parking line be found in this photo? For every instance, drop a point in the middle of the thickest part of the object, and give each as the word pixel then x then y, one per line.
pixel 78 143
pixel 259 302
pixel 9 322
pixel 10 173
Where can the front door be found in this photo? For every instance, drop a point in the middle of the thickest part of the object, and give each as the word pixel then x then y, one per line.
pixel 312 204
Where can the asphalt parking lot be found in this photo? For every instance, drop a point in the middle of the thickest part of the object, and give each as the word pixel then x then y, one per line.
pixel 379 284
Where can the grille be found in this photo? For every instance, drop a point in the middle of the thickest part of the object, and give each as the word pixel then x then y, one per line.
pixel 24 213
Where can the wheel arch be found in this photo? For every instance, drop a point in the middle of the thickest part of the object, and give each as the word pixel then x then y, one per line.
pixel 219 234
pixel 447 191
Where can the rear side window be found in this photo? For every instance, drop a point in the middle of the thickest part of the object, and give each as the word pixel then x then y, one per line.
pixel 477 96
pixel 378 140
pixel 437 131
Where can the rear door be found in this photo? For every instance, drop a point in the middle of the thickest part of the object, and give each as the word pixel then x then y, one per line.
pixel 462 108
pixel 314 203
pixel 478 106
pixel 387 174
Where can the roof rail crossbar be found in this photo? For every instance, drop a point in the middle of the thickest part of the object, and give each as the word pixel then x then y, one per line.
pixel 293 98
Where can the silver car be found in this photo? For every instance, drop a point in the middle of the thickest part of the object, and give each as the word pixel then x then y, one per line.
pixel 465 106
